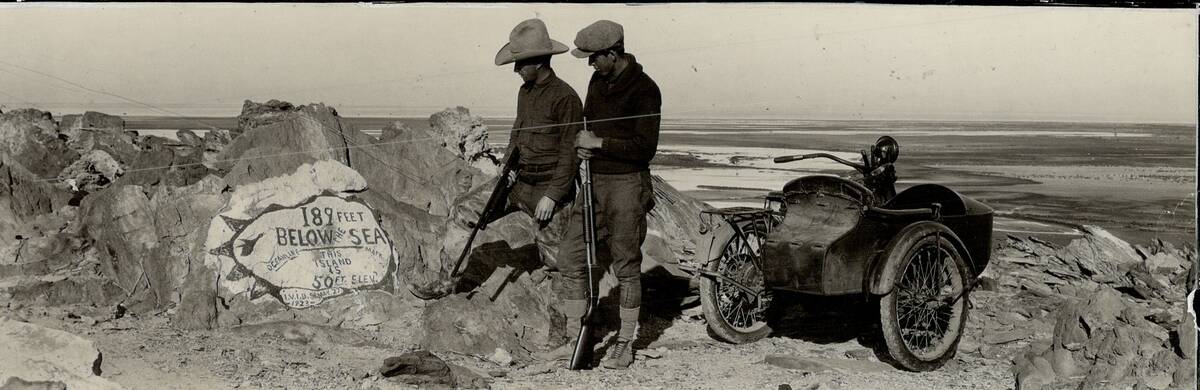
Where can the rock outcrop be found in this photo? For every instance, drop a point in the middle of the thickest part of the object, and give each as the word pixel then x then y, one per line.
pixel 222 229
pixel 1094 313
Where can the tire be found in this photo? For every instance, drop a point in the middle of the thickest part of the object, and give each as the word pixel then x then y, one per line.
pixel 923 314
pixel 732 314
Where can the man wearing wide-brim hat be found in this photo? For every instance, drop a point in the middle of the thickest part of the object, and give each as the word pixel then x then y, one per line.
pixel 549 113
pixel 622 109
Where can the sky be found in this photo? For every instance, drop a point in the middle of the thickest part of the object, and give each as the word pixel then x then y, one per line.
pixel 811 61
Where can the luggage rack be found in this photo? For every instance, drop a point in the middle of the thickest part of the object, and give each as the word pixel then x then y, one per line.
pixel 736 215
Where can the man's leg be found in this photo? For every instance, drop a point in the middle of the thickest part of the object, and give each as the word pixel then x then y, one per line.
pixel 572 283
pixel 551 234
pixel 627 200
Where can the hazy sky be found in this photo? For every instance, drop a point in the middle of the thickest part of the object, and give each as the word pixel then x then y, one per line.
pixel 778 60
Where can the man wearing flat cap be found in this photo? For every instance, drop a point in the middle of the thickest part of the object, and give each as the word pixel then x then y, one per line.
pixel 622 109
pixel 549 113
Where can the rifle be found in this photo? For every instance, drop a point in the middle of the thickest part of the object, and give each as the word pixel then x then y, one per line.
pixel 494 208
pixel 589 239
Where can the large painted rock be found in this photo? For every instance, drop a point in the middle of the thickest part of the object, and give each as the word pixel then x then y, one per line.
pixel 36 354
pixel 298 241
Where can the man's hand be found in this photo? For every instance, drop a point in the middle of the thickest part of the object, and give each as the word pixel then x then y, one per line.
pixel 545 209
pixel 585 142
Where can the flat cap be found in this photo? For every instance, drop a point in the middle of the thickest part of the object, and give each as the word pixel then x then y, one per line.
pixel 604 34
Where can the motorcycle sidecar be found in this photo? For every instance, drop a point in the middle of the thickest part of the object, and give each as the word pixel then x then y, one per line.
pixel 919 252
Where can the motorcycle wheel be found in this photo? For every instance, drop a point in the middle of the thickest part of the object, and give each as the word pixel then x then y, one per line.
pixel 923 315
pixel 733 315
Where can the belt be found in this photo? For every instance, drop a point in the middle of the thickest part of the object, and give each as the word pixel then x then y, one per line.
pixel 533 179
pixel 537 168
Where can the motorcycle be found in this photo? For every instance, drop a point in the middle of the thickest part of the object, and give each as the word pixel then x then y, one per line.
pixel 918 254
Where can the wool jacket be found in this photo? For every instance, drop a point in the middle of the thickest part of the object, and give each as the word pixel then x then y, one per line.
pixel 548 156
pixel 629 144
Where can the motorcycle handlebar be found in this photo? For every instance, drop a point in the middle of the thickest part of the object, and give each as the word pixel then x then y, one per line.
pixel 784 159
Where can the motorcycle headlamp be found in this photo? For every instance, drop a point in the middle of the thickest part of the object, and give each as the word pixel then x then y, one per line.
pixel 886 150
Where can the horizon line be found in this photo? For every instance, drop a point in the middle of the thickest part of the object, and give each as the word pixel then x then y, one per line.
pixel 728 117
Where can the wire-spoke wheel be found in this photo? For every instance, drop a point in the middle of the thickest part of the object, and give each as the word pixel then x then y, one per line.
pixel 734 314
pixel 922 317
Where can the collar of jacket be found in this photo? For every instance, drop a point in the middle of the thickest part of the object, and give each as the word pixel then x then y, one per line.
pixel 625 78
pixel 543 83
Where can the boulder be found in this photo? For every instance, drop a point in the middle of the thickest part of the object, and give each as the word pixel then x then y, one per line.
pixel 42 245
pixel 181 216
pixel 24 197
pixel 1036 373
pixel 671 228
pixel 30 138
pixel 214 142
pixel 91 172
pixel 404 164
pixel 99 120
pixel 463 134
pixel 278 146
pixel 1099 254
pixel 99 131
pixel 189 138
pixel 301 245
pixel 147 242
pixel 510 311
pixel 35 353
pixel 1103 338
pixel 161 162
pixel 261 114
pixel 1186 333
pixel 120 221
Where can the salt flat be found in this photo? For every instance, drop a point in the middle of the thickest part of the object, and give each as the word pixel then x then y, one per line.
pixel 1136 180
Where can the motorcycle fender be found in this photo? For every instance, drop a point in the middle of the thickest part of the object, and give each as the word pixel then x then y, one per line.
pixel 712 243
pixel 883 272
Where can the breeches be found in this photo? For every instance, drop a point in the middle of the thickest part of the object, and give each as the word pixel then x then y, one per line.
pixel 621 204
pixel 547 234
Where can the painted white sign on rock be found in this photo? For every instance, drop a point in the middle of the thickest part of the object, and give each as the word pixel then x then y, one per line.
pixel 302 255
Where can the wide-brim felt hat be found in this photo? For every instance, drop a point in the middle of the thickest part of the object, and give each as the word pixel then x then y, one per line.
pixel 528 40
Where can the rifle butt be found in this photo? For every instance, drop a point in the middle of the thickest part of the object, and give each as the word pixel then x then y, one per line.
pixel 582 345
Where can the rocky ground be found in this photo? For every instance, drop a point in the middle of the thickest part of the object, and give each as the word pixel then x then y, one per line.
pixel 1015 315
pixel 121 260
